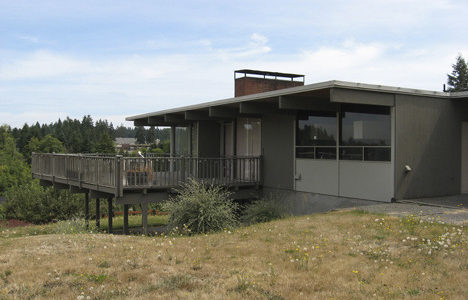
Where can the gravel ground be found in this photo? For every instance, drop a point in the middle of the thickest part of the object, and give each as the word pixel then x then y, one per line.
pixel 427 211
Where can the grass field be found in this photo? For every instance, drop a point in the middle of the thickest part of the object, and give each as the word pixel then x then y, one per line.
pixel 339 255
pixel 134 221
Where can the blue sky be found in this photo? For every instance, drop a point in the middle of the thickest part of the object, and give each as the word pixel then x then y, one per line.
pixel 112 59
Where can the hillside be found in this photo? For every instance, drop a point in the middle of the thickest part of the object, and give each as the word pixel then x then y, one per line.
pixel 339 255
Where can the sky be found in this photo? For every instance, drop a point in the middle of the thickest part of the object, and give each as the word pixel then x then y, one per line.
pixel 112 59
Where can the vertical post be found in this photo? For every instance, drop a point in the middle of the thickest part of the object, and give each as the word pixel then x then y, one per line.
pixel 182 169
pixel 190 128
pixel 87 209
pixel 144 217
pixel 172 141
pixel 125 225
pixel 110 214
pixel 172 148
pixel 118 176
pixel 98 213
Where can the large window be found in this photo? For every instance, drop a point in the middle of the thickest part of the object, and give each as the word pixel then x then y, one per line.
pixel 316 135
pixel 248 137
pixel 182 141
pixel 365 133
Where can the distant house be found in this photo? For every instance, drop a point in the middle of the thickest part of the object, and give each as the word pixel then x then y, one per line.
pixel 127 144
pixel 130 144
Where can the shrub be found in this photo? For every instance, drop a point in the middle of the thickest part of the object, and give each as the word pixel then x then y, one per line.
pixel 2 212
pixel 33 203
pixel 74 225
pixel 200 209
pixel 263 210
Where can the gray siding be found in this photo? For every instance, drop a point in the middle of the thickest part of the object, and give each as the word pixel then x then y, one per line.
pixel 278 151
pixel 428 140
pixel 208 139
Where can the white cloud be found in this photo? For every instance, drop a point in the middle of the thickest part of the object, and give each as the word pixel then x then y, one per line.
pixel 116 87
pixel 28 38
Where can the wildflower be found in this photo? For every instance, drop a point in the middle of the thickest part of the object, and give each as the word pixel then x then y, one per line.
pixel 355 271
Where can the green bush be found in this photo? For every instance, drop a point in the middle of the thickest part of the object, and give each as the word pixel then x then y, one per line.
pixel 263 210
pixel 200 209
pixel 2 212
pixel 33 203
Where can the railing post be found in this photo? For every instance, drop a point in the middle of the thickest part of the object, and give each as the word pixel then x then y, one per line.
pixel 97 173
pixel 53 167
pixel 182 169
pixel 118 177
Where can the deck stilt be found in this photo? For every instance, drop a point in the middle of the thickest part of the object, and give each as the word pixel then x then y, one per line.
pixel 144 217
pixel 87 210
pixel 98 213
pixel 110 214
pixel 125 225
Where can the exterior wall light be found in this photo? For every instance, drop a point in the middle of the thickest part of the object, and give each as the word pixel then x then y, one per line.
pixel 408 169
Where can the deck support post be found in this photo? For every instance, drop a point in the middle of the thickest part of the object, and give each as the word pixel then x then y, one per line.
pixel 144 217
pixel 125 224
pixel 110 214
pixel 87 209
pixel 98 213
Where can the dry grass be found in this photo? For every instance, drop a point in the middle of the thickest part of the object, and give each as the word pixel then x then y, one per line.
pixel 340 255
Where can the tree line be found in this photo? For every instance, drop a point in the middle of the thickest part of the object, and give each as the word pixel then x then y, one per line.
pixel 79 136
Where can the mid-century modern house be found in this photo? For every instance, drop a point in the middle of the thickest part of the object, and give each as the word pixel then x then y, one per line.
pixel 335 138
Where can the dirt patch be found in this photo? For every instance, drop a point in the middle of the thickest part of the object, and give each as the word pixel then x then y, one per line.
pixel 14 223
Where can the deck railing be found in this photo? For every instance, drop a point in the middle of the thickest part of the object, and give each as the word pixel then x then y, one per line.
pixel 116 173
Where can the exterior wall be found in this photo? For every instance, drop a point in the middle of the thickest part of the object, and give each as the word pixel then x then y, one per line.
pixel 371 180
pixel 464 171
pixel 428 132
pixel 208 139
pixel 252 85
pixel 317 176
pixel 278 151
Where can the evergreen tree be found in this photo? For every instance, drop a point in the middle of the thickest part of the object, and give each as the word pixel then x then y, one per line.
pixel 140 135
pixel 458 80
pixel 151 135
pixel 105 144
pixel 13 168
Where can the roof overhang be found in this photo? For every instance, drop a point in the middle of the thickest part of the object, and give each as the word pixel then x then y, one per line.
pixel 323 96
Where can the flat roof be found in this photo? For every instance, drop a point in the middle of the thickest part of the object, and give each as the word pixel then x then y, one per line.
pixel 268 73
pixel 305 88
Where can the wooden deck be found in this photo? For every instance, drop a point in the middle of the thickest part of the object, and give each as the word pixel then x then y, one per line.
pixel 116 174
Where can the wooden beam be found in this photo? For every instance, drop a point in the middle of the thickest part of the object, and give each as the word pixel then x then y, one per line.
pixel 98 213
pixel 137 198
pixel 168 120
pixel 361 97
pixel 197 115
pixel 317 104
pixel 144 217
pixel 156 121
pixel 77 190
pixel 110 213
pixel 222 112
pixel 125 223
pixel 140 122
pixel 259 108
pixel 87 210
pixel 61 186
pixel 174 118
pixel 97 194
